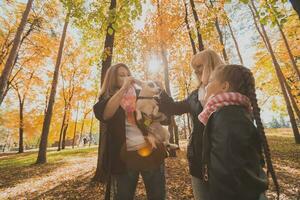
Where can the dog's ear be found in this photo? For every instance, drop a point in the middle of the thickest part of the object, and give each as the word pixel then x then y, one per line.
pixel 160 84
pixel 138 82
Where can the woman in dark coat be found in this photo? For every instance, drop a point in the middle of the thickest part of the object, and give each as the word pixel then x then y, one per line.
pixel 125 154
pixel 203 64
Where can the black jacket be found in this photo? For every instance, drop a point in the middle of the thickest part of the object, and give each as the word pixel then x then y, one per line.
pixel 192 106
pixel 112 139
pixel 232 154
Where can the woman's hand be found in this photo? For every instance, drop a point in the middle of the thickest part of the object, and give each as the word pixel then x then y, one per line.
pixel 114 102
pixel 127 82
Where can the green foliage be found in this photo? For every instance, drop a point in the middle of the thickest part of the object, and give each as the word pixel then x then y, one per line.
pixel 244 1
pixel 110 31
pixel 270 11
pixel 93 24
pixel 273 13
pixel 74 7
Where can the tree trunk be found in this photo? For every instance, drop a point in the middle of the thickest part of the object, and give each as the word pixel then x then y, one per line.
pixel 10 81
pixel 6 141
pixel 296 6
pixel 291 97
pixel 62 128
pixel 91 129
pixel 163 55
pixel 63 145
pixel 60 136
pixel 188 28
pixel 172 126
pixel 81 131
pixel 176 134
pixel 25 35
pixel 291 56
pixel 197 22
pixel 217 25
pixel 184 127
pixel 46 101
pixel 189 123
pixel 279 76
pixel 5 48
pixel 106 63
pixel 47 120
pixel 21 112
pixel 13 52
pixel 74 135
pixel 108 44
pixel 221 39
pixel 257 28
pixel 235 43
pixel 21 128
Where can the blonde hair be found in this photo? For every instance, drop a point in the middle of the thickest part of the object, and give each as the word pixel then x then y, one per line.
pixel 209 59
pixel 110 83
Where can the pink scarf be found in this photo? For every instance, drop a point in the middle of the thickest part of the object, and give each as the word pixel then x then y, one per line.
pixel 128 103
pixel 223 99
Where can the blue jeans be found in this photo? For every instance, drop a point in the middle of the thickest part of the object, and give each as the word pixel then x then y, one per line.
pixel 200 189
pixel 124 185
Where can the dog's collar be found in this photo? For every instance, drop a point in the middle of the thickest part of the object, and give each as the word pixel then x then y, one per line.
pixel 139 97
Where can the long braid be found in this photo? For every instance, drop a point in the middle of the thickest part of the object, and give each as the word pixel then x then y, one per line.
pixel 241 80
pixel 250 82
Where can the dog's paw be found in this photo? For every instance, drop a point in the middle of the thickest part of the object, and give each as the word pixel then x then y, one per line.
pixel 138 115
pixel 151 140
pixel 172 146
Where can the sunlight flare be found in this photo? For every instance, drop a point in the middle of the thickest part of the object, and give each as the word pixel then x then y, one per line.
pixel 154 64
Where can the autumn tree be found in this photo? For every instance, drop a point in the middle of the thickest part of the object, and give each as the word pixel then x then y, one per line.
pixel 114 17
pixel 13 52
pixel 277 67
pixel 71 8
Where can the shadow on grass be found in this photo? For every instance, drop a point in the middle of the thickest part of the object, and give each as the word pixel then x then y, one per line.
pixel 286 158
pixel 79 188
pixel 18 167
pixel 11 176
pixel 285 151
pixel 288 183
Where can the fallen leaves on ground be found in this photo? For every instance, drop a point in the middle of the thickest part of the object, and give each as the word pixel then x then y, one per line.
pixel 70 178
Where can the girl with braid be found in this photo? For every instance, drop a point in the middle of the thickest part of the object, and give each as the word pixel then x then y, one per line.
pixel 233 147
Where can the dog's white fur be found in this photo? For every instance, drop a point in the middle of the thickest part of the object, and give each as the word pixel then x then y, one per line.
pixel 157 133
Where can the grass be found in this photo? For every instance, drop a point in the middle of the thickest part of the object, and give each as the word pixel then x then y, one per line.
pixel 27 159
pixel 283 147
pixel 17 168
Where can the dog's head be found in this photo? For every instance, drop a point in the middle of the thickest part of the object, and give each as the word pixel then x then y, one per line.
pixel 150 88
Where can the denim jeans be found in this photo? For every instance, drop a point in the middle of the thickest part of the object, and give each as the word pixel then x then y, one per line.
pixel 200 189
pixel 124 185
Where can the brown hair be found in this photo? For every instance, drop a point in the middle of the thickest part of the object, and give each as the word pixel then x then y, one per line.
pixel 109 86
pixel 241 80
pixel 209 59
